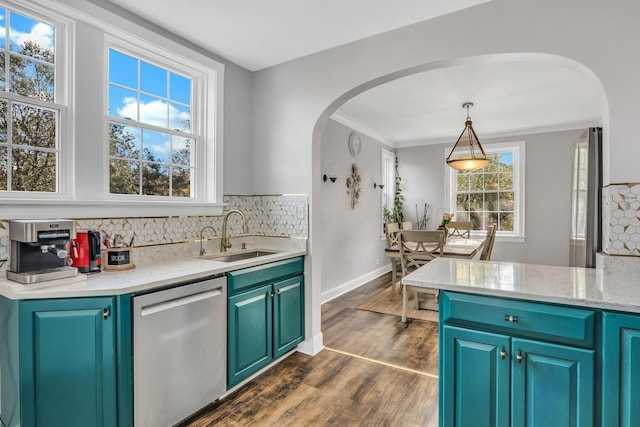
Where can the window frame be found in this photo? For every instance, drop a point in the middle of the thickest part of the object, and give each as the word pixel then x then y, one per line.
pixel 518 150
pixel 388 177
pixel 64 29
pixel 199 113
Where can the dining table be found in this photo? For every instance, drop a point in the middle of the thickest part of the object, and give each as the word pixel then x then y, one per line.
pixel 454 247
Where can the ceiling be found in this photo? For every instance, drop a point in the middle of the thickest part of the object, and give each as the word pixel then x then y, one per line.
pixel 511 98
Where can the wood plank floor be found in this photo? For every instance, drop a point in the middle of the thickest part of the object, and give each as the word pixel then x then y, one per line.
pixel 374 371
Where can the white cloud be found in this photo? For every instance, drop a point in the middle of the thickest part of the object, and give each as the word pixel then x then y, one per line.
pixel 154 113
pixel 40 33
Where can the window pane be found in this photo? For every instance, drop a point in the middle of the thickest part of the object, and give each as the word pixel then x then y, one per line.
pixel 3 85
pixel 490 181
pixel 491 219
pixel 180 89
pixel 124 177
pixel 3 168
pixel 181 151
pixel 505 162
pixel 156 146
pixel 124 141
pixel 462 202
pixel 506 201
pixel 31 78
pixel 506 181
pixel 155 179
pixel 490 202
pixel 477 182
pixel 476 220
pixel 33 126
pixel 476 202
pixel 33 170
pixel 31 37
pixel 462 182
pixel 123 103
pixel 462 216
pixel 506 222
pixel 179 117
pixel 3 34
pixel 180 182
pixel 154 111
pixel 153 79
pixel 3 121
pixel 123 69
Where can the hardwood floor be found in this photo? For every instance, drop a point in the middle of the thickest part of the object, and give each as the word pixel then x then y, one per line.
pixel 374 371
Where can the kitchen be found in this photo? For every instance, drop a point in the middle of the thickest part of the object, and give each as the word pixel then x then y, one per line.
pixel 264 148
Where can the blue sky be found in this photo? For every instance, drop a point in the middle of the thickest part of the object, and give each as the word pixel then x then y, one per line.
pixel 23 29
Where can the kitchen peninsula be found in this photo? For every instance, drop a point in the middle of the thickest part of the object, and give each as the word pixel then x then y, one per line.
pixel 524 344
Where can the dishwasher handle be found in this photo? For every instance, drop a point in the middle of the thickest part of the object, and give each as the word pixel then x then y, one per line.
pixel 178 302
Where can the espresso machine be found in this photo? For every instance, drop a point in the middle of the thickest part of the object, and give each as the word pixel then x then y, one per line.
pixel 39 250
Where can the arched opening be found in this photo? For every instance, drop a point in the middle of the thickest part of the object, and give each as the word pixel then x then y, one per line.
pixel 342 257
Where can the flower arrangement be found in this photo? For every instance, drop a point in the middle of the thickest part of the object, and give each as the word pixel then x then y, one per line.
pixel 446 219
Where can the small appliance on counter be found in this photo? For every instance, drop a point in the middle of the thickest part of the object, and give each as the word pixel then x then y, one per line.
pixel 85 251
pixel 39 250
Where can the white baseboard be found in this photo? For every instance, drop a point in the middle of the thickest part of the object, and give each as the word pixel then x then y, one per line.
pixel 312 346
pixel 354 283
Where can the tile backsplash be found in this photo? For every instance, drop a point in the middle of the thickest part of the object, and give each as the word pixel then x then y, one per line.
pixel 267 215
pixel 621 222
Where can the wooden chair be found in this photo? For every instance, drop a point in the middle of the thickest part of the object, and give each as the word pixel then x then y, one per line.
pixel 488 244
pixel 407 225
pixel 391 231
pixel 417 248
pixel 460 228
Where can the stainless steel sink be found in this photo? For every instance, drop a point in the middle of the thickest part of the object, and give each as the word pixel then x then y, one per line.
pixel 239 256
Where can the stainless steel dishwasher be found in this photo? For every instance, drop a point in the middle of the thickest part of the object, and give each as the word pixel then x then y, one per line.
pixel 179 350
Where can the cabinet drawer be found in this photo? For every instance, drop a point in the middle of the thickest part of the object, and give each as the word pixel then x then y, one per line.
pixel 568 325
pixel 247 278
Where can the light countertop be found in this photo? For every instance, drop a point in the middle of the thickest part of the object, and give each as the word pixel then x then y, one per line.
pixel 562 285
pixel 144 277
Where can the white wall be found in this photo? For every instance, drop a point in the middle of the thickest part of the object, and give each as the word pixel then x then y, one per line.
pixel 294 100
pixel 548 158
pixel 353 250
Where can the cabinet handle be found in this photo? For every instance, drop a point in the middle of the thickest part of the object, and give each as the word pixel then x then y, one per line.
pixel 271 294
pixel 278 292
pixel 105 313
pixel 519 356
pixel 511 319
pixel 503 353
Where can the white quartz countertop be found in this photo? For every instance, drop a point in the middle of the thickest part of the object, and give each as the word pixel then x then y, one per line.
pixel 144 277
pixel 562 285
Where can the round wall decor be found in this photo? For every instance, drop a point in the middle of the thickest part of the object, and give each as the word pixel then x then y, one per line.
pixel 355 145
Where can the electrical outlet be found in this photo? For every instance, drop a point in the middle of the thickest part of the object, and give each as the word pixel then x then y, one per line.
pixel 300 211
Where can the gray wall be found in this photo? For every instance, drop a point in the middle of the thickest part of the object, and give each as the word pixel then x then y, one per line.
pixel 547 193
pixel 353 252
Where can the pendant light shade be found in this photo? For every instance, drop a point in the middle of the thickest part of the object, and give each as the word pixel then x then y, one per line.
pixel 467 155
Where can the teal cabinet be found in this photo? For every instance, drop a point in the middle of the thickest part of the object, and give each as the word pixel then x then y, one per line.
pixel 620 370
pixel 60 365
pixel 495 370
pixel 265 316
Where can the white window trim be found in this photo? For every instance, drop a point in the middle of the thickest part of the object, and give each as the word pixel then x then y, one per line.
pixel 64 69
pixel 83 202
pixel 518 147
pixel 388 180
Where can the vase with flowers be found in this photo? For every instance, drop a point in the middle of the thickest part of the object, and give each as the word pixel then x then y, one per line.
pixel 446 219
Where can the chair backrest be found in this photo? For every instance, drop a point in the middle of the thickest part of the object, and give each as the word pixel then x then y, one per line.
pixel 407 225
pixel 488 244
pixel 460 228
pixel 418 247
pixel 392 229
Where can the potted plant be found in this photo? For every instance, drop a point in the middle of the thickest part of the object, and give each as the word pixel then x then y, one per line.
pixel 395 214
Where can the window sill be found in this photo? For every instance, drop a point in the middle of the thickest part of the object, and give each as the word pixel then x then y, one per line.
pixel 502 239
pixel 41 209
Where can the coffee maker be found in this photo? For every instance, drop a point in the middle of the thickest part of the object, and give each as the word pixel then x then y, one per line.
pixel 39 250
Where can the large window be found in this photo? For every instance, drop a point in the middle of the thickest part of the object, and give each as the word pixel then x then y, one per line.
pixel 151 139
pixel 30 108
pixel 493 195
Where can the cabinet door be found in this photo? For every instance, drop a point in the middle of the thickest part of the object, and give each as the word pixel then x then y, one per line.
pixel 288 315
pixel 250 333
pixel 621 370
pixel 553 385
pixel 67 364
pixel 474 378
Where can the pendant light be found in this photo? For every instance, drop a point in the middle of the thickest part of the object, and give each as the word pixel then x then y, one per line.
pixel 467 155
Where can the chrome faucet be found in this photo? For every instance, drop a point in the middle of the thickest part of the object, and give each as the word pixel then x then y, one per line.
pixel 224 242
pixel 202 251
